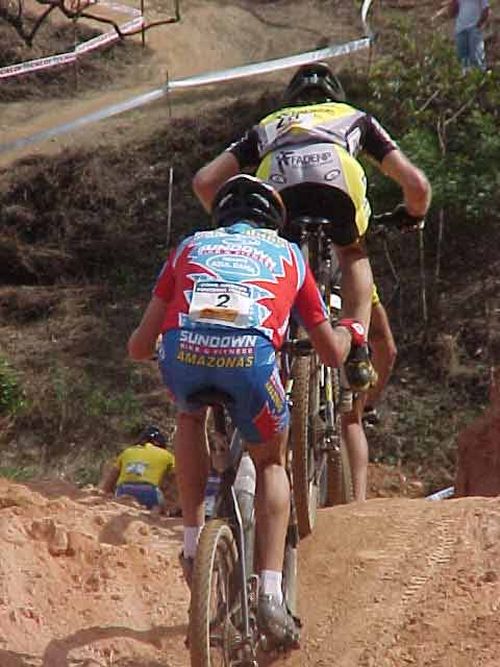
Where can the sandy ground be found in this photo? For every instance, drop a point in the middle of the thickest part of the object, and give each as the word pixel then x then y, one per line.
pixel 87 581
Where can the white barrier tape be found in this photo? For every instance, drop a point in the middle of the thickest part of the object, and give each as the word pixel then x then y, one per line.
pixel 107 112
pixel 270 65
pixel 38 64
pixel 108 37
pixel 66 58
pixel 121 9
pixel 449 492
pixel 364 17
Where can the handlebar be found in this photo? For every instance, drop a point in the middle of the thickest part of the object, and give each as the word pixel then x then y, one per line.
pixel 398 219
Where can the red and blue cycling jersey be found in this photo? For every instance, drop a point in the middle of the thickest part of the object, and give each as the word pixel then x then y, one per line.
pixel 240 277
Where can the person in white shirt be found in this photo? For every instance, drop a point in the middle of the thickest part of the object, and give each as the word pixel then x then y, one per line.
pixel 470 18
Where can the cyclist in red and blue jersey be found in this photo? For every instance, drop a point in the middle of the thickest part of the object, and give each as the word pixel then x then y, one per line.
pixel 222 304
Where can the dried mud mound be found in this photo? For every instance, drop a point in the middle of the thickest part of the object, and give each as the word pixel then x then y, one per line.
pixel 478 464
pixel 87 581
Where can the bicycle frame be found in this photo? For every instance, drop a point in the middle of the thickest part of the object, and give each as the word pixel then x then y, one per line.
pixel 323 394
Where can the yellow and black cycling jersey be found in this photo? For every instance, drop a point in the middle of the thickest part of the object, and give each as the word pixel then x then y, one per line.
pixel 145 464
pixel 328 122
pixel 308 153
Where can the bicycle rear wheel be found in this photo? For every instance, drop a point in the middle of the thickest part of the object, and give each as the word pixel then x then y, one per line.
pixel 305 489
pixel 214 609
pixel 339 489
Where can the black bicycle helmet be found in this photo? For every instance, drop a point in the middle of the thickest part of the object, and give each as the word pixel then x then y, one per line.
pixel 246 197
pixel 314 82
pixel 154 435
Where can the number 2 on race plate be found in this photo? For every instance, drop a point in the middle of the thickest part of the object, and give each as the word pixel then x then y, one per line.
pixel 218 302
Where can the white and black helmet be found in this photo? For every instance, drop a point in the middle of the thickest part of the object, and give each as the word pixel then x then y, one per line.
pixel 246 197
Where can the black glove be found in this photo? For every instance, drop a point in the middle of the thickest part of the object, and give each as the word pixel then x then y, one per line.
pixel 404 221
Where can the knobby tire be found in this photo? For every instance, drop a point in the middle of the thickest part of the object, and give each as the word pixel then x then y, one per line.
pixel 339 490
pixel 216 548
pixel 304 490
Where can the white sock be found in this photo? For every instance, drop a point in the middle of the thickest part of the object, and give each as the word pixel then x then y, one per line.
pixel 191 537
pixel 270 584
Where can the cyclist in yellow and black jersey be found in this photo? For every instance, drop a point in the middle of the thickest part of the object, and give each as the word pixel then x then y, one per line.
pixel 307 150
pixel 144 470
pixel 300 149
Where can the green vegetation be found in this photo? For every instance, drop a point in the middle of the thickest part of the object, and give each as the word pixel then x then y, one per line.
pixel 12 398
pixel 446 121
pixel 18 474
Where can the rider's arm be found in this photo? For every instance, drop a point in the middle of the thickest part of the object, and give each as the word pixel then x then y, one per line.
pixel 208 179
pixel 310 309
pixel 240 155
pixel 142 342
pixel 416 188
pixel 383 150
pixel 327 345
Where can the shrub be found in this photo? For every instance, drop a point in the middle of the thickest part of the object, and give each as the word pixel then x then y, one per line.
pixel 12 398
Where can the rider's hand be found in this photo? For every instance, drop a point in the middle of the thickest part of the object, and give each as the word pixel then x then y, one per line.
pixel 406 222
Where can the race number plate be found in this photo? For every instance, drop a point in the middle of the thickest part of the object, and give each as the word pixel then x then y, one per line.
pixel 288 122
pixel 218 302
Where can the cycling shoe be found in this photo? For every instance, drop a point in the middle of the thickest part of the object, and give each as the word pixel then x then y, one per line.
pixel 276 623
pixel 359 369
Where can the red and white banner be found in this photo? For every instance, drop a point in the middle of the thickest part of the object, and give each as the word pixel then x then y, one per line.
pixel 93 44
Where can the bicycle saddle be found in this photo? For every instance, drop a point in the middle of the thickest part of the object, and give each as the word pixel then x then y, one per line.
pixel 210 396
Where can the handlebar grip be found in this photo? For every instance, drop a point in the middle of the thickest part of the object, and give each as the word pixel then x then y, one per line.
pixel 400 219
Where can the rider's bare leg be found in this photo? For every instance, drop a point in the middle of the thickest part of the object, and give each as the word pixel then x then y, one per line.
pixel 191 466
pixel 272 500
pixel 383 351
pixel 354 437
pixel 272 509
pixel 357 282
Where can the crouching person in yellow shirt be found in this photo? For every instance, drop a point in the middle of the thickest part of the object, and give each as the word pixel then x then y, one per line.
pixel 143 470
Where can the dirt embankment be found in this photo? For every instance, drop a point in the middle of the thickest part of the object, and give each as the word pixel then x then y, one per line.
pixel 87 581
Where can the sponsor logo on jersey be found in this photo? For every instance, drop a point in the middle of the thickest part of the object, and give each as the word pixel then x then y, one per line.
pixel 298 160
pixel 218 346
pixel 233 265
pixel 332 175
pixel 213 361
pixel 238 250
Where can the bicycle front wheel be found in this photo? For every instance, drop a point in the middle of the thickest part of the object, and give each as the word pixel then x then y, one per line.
pixel 305 489
pixel 214 598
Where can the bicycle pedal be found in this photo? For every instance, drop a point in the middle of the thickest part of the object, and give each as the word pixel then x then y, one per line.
pixel 268 645
pixel 253 591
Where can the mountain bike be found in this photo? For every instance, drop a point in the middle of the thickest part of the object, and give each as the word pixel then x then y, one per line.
pixel 224 593
pixel 320 463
